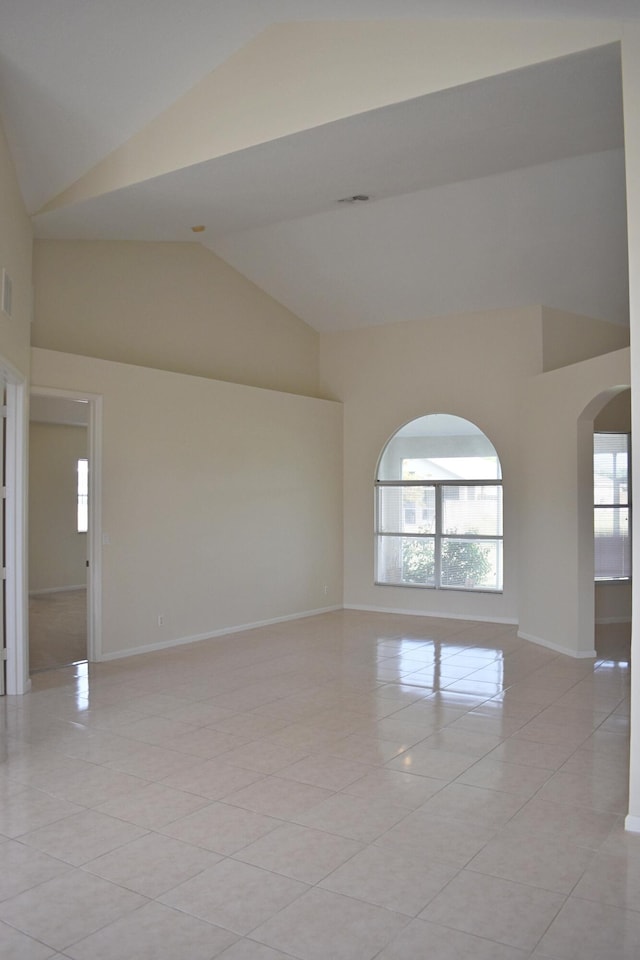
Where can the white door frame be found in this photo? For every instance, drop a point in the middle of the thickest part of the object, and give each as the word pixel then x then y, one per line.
pixel 16 634
pixel 94 534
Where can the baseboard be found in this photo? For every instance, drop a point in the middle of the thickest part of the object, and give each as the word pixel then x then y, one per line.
pixel 41 593
pixel 605 620
pixel 576 654
pixel 425 613
pixel 213 634
pixel 632 824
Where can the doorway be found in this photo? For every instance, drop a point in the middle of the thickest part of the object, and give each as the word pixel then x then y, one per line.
pixel 64 515
pixel 612 524
pixel 58 456
pixel 604 609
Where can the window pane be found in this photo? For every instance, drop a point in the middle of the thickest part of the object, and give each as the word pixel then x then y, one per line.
pixel 471 564
pixel 439 447
pixel 612 543
pixel 406 509
pixel 610 468
pixel 406 560
pixel 472 510
pixel 83 496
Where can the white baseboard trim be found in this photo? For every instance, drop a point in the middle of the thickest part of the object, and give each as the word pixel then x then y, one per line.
pixel 632 824
pixel 41 593
pixel 613 620
pixel 576 654
pixel 426 613
pixel 213 634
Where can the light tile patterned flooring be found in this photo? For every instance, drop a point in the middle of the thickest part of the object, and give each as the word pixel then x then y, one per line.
pixel 343 787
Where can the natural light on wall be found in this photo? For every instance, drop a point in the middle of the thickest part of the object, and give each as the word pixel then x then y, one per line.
pixel 439 507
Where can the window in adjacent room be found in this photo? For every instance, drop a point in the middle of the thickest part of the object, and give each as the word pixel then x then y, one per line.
pixel 612 506
pixel 83 496
pixel 439 507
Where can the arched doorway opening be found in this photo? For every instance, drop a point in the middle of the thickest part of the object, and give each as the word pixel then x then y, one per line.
pixel 604 502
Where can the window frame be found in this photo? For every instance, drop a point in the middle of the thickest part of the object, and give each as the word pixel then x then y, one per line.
pixel 82 496
pixel 614 506
pixel 438 536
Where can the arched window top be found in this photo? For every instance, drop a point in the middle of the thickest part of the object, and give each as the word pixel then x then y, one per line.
pixel 439 447
pixel 439 507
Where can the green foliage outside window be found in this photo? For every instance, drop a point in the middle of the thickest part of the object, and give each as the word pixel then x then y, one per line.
pixel 464 563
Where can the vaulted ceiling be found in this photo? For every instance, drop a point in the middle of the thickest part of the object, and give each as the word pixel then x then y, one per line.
pixel 129 120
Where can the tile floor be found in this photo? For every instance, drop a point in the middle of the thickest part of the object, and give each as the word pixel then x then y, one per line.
pixel 343 787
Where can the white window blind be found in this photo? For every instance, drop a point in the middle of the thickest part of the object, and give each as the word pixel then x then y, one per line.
pixel 612 506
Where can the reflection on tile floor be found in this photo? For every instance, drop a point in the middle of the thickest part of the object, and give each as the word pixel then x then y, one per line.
pixel 343 787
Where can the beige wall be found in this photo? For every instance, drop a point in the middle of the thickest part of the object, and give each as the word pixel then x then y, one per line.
pixel 613 602
pixel 567 338
pixel 15 333
pixel 15 257
pixel 469 365
pixel 221 503
pixel 172 306
pixel 487 368
pixel 57 552
pixel 556 501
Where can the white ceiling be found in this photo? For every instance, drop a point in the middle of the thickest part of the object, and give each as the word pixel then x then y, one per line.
pixel 469 187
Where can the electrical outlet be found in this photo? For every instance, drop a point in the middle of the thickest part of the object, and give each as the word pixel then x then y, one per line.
pixel 160 620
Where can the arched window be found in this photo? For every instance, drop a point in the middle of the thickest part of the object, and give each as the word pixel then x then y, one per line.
pixel 439 507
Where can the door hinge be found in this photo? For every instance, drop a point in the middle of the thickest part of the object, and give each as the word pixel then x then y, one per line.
pixel 4 573
pixel 4 653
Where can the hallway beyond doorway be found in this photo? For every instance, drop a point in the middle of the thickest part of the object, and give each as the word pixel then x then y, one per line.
pixel 57 629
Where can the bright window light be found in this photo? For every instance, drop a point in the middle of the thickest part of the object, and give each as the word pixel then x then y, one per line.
pixel 83 496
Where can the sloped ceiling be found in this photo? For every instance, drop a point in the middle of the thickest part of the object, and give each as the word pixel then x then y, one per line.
pixel 478 192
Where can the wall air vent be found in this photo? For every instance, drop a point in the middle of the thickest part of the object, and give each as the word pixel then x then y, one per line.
pixel 7 292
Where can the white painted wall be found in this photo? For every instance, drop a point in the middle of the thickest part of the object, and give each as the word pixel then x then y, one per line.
pixel 57 552
pixel 221 503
